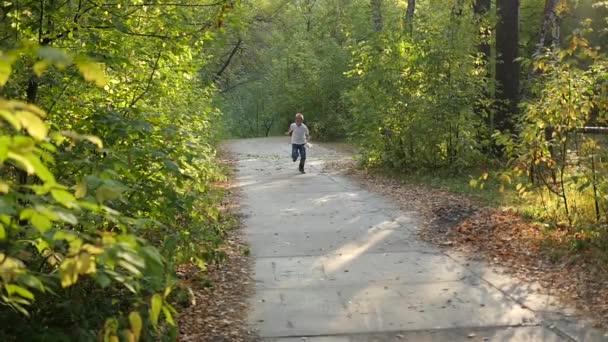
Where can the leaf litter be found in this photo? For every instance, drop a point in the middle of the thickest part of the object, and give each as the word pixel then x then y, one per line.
pixel 219 305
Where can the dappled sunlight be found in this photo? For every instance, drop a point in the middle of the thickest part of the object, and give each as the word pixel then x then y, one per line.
pixel 353 250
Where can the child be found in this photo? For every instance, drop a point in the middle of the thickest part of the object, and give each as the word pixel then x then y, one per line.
pixel 299 139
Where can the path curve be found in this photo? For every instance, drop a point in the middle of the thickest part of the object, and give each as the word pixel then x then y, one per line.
pixel 336 263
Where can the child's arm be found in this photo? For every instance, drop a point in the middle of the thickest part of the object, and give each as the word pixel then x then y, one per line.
pixel 289 130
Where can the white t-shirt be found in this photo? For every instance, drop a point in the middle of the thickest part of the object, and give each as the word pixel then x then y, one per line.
pixel 298 133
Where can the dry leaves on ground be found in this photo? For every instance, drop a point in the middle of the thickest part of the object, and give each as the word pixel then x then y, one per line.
pixel 502 237
pixel 219 309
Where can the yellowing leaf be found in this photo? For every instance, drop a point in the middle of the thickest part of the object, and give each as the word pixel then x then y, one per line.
pixel 10 118
pixel 129 335
pixel 92 72
pixel 485 176
pixel 93 139
pixel 473 183
pixel 92 249
pixel 136 324
pixel 155 306
pixel 33 124
pixel 40 67
pixel 505 178
pixel 80 190
pixel 68 272
pixel 85 264
pixel 4 187
pixel 5 69
pixel 2 232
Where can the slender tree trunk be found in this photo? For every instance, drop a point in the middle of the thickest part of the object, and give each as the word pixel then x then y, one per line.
pixel 548 32
pixel 507 68
pixel 376 15
pixel 548 26
pixel 409 16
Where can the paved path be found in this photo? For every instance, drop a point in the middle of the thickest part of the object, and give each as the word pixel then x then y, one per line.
pixel 336 263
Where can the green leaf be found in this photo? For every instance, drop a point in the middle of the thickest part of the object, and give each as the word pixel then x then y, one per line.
pixel 155 306
pixel 67 217
pixel 64 197
pixel 2 232
pixel 55 56
pixel 168 315
pixel 22 162
pixel 103 280
pixel 12 289
pixel 41 222
pixel 32 282
pixel 40 169
pixel 105 193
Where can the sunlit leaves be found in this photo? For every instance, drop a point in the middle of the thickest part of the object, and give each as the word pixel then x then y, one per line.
pixel 5 68
pixel 156 303
pixel 92 72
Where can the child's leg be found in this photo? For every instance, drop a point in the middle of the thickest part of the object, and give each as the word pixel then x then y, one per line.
pixel 302 157
pixel 294 152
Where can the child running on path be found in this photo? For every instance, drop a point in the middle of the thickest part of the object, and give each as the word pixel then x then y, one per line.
pixel 299 139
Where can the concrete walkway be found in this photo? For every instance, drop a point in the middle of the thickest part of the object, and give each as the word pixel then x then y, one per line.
pixel 336 263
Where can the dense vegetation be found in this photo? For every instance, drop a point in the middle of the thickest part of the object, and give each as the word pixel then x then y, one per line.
pixel 110 110
pixel 107 163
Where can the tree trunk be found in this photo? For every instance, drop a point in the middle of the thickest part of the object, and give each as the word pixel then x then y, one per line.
pixel 507 68
pixel 547 35
pixel 409 16
pixel 549 22
pixel 376 15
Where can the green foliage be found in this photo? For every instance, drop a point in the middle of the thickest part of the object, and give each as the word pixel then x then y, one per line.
pixel 414 106
pixel 565 165
pixel 103 190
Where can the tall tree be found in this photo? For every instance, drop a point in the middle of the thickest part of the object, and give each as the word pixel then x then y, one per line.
pixel 507 66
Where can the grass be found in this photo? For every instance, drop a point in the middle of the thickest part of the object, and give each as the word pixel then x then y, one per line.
pixel 490 195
